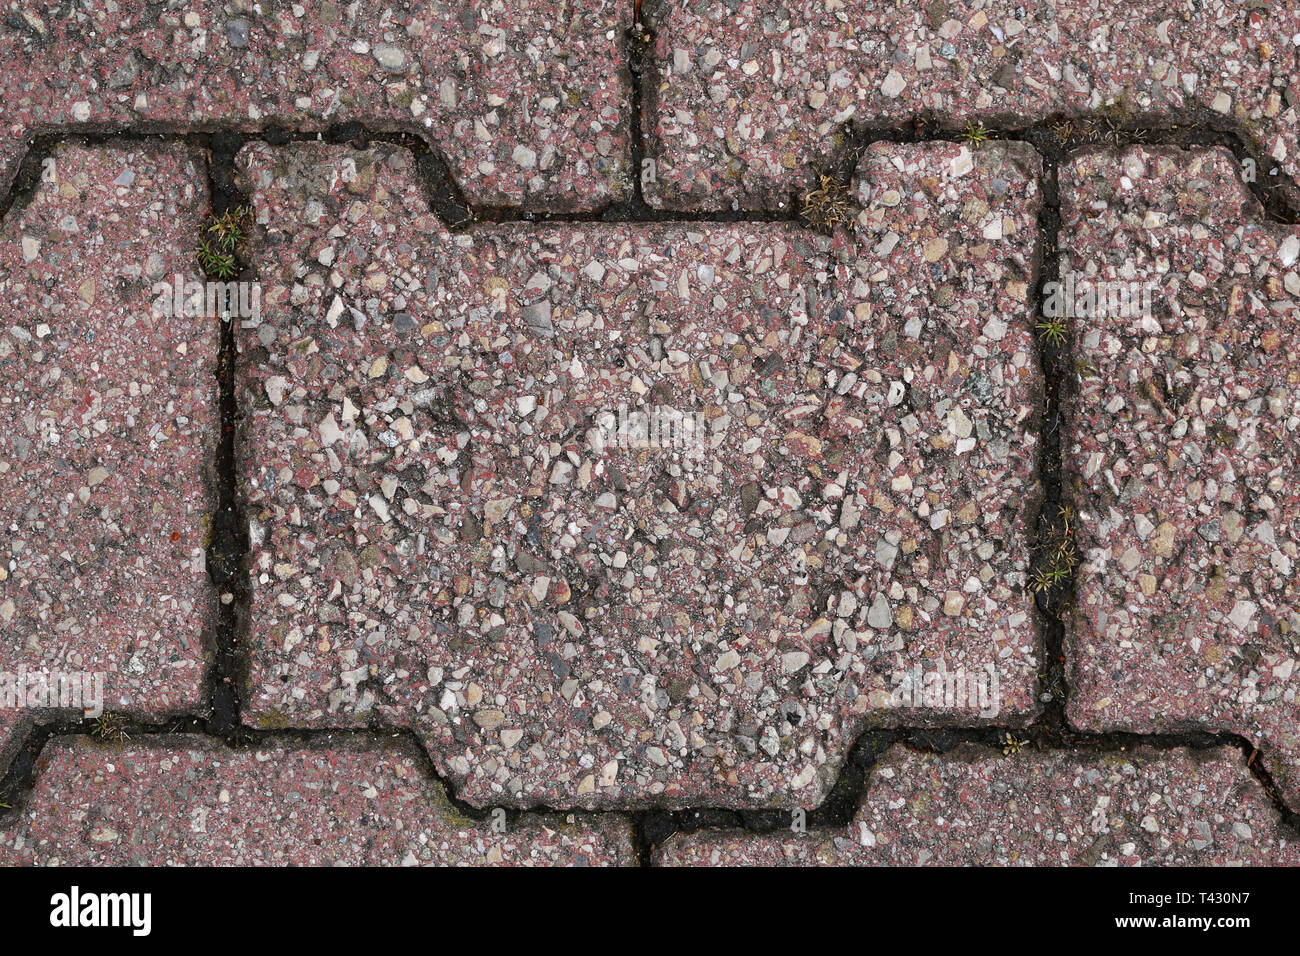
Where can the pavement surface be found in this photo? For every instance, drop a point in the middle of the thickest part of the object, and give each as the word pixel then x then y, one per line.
pixel 686 433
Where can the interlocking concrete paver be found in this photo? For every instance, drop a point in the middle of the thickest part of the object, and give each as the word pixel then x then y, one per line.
pixel 183 801
pixel 1181 452
pixel 451 533
pixel 528 103
pixel 108 422
pixel 938 281
pixel 745 97
pixel 975 807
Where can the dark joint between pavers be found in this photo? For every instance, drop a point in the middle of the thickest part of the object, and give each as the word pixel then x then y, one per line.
pixel 637 42
pixel 116 732
pixel 111 728
pixel 228 550
pixel 1059 136
pixel 441 191
pixel 651 827
pixel 1055 558
pixel 836 813
pixel 1274 191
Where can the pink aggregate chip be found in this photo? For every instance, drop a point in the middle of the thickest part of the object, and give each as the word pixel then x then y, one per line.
pixel 746 97
pixel 527 103
pixel 1182 456
pixel 107 428
pixel 175 801
pixel 974 807
pixel 450 533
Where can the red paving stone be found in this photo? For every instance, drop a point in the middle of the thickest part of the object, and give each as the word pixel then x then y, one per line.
pixel 746 97
pixel 107 425
pixel 529 104
pixel 975 807
pixel 1182 457
pixel 443 537
pixel 183 801
pixel 938 279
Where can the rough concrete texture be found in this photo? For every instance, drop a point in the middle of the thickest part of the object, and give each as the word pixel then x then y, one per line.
pixel 975 807
pixel 179 801
pixel 457 525
pixel 651 407
pixel 746 99
pixel 1182 457
pixel 108 423
pixel 528 104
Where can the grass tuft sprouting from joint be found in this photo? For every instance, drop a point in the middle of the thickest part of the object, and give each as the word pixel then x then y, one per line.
pixel 1056 554
pixel 220 241
pixel 111 728
pixel 975 133
pixel 1011 744
pixel 1052 331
